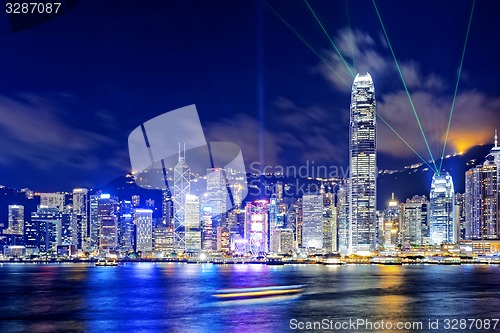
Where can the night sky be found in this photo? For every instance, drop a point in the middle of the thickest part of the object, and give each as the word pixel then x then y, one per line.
pixel 72 89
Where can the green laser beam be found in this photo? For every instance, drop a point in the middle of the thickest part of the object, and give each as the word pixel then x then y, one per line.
pixel 318 55
pixel 399 136
pixel 305 42
pixel 329 38
pixel 350 33
pixel 405 86
pixel 456 85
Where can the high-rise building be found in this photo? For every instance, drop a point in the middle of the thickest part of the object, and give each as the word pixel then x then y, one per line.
pixel 15 220
pixel 94 223
pixel 66 227
pixel 286 241
pixel 460 215
pixel 164 240
pixel 192 224
pixel 273 224
pixel 312 221
pixel 207 243
pixel 343 217
pixel 414 221
pixel 126 226
pixel 44 229
pixel 80 228
pixel 363 166
pixel 329 223
pixel 143 220
pixel 182 174
pixel 298 222
pixel 482 198
pixel 108 223
pixel 442 227
pixel 257 227
pixel 167 209
pixel 389 227
pixel 223 239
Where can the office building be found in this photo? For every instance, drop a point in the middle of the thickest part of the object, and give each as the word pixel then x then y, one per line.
pixel 442 227
pixel 363 166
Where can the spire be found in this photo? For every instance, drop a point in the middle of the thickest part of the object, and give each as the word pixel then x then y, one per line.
pixel 392 196
pixel 496 139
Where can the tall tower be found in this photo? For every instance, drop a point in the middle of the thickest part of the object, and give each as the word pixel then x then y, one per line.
pixel 312 221
pixel 442 210
pixel 363 166
pixel 181 190
pixel 79 222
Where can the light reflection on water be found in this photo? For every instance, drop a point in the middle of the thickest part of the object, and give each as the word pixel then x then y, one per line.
pixel 171 297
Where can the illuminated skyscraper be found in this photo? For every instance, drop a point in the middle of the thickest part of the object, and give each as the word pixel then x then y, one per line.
pixel 44 229
pixel 363 166
pixel 192 224
pixel 256 227
pixel 343 217
pixel 94 222
pixel 482 198
pixel 181 190
pixel 389 226
pixel 79 219
pixel 414 221
pixel 329 223
pixel 312 221
pixel 143 220
pixel 108 223
pixel 442 210
pixel 16 220
pixel 126 226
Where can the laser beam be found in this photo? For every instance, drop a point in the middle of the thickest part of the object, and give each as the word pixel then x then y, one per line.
pixel 305 42
pixel 399 136
pixel 329 38
pixel 456 85
pixel 405 86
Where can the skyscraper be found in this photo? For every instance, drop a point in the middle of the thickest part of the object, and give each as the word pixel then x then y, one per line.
pixel 16 220
pixel 389 226
pixel 108 223
pixel 363 166
pixel 414 221
pixel 442 210
pixel 181 190
pixel 80 228
pixel 482 198
pixel 126 226
pixel 143 220
pixel 312 221
pixel 192 224
pixel 256 227
pixel 94 222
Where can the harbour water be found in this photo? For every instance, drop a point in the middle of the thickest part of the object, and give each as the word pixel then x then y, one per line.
pixel 177 297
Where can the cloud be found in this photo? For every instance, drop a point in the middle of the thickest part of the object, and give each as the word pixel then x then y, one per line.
pixel 475 113
pixel 35 132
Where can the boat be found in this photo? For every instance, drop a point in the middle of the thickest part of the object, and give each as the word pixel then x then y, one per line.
pixel 106 262
pixel 258 292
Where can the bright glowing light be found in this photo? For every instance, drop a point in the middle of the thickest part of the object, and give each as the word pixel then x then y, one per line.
pixel 203 256
pixel 105 196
